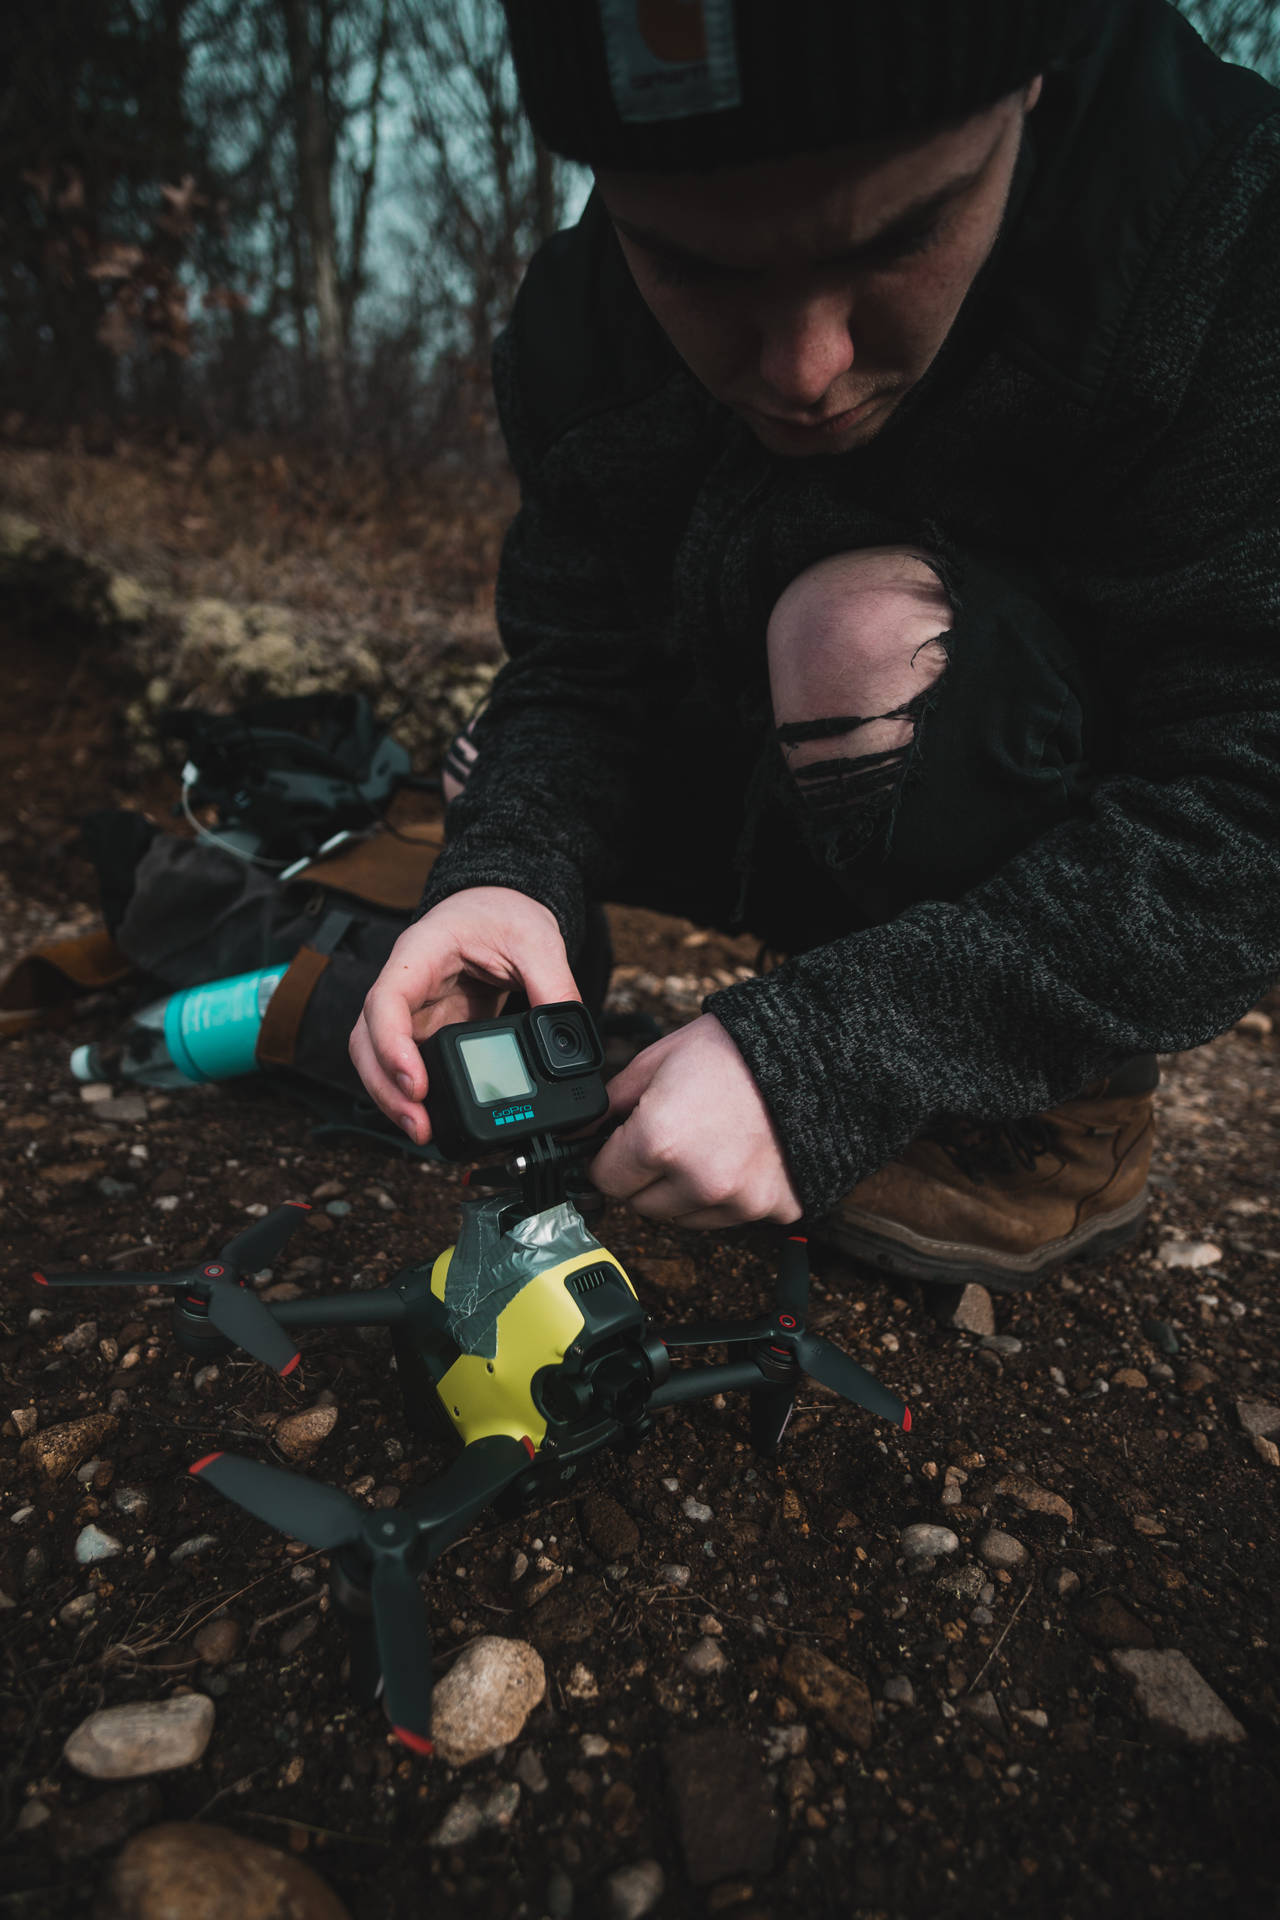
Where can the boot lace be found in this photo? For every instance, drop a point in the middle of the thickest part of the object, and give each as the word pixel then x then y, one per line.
pixel 981 1148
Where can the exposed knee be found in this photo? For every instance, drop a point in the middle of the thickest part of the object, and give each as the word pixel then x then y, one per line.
pixel 857 636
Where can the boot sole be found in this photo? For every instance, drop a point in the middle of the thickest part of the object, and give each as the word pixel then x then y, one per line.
pixel 954 1264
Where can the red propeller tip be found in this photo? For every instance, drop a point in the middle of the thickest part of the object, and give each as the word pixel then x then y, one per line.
pixel 799 1239
pixel 200 1465
pixel 528 1445
pixel 303 1206
pixel 414 1741
pixel 40 1277
pixel 906 1419
pixel 290 1365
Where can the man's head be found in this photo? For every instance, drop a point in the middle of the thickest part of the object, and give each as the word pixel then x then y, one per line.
pixel 810 294
pixel 805 190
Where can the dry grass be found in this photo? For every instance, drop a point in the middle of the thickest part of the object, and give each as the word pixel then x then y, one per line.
pixel 247 522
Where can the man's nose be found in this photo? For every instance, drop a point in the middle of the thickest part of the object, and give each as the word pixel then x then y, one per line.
pixel 804 349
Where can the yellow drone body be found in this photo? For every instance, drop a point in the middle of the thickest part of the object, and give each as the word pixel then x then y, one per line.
pixel 535 1330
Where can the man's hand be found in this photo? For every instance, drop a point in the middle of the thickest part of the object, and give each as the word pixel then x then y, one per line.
pixel 697 1145
pixel 457 963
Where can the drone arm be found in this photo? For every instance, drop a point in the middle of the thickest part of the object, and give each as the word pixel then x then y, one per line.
pixel 471 1481
pixel 700 1383
pixel 383 1307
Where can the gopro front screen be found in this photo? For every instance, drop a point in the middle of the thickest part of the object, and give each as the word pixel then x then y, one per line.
pixel 495 1068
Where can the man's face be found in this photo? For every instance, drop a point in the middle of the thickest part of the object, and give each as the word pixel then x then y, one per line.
pixel 810 295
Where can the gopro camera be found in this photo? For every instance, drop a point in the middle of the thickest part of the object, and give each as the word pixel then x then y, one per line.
pixel 492 1083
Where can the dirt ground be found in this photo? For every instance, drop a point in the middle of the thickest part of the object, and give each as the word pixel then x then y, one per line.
pixel 1005 1763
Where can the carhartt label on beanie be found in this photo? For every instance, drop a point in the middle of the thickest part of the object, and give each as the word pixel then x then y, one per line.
pixel 666 85
pixel 670 58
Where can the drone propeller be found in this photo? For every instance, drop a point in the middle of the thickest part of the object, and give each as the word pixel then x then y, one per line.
pixel 394 1545
pixel 218 1287
pixel 787 1339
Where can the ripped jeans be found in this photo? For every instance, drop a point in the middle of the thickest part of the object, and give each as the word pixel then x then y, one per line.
pixel 925 729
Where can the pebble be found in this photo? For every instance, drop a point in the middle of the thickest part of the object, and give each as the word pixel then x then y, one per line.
pixel 899 1690
pixel 1189 1253
pixel 631 1892
pixel 531 1772
pixel 673 1576
pixel 338 1208
pixel 609 1527
pixel 997 1549
pixel 485 1698
pixel 1162 1335
pixel 786 1743
pixel 217 1641
pixel 1000 1343
pixel 973 1312
pixel 77 1611
pixel 20 1516
pixel 965 1582
pixel 696 1510
pixel 131 1500
pixel 188 1549
pixel 1035 1498
pixel 92 1545
pixel 559 1894
pixel 1256 1024
pixel 80 1338
pixel 706 1656
pixel 594 1746
pixel 1175 1698
pixel 126 1743
pixel 25 1420
pixel 197 1868
pixel 297 1635
pixel 58 1451
pixel 299 1434
pixel 470 1815
pixel 581 1684
pixel 1104 1619
pixel 837 1696
pixel 1258 1417
pixel 1266 1450
pixel 922 1541
pixel 1034 1717
pixel 207 1379
pixel 1129 1377
pixel 984 1708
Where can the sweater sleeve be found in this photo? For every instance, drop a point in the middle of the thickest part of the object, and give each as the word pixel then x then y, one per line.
pixel 1151 924
pixel 544 809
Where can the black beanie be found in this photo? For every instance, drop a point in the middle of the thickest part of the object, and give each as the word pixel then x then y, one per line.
pixel 675 85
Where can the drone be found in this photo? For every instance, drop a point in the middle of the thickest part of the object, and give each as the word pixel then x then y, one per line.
pixel 525 1339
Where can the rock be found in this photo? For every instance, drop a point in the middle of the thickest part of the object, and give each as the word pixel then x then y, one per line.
pixel 924 1542
pixel 203 1872
pixel 1162 1336
pixel 984 1709
pixel 470 1815
pixel 531 1772
pixel 697 1510
pixel 191 1548
pixel 297 1635
pixel 1175 1699
pixel 131 1500
pixel 839 1697
pixel 673 1576
pixel 24 1420
pixel 485 1698
pixel 1006 1343
pixel 973 1312
pixel 1129 1377
pixel 77 1611
pixel 965 1582
pixel 106 1821
pixel 1036 1499
pixel 726 1817
pixel 58 1451
pixel 899 1690
pixel 1257 1417
pixel 126 1743
pixel 81 1338
pixel 1266 1450
pixel 581 1684
pixel 631 1892
pixel 92 1545
pixel 609 1527
pixel 1106 1621
pixel 559 1894
pixel 217 1641
pixel 299 1434
pixel 705 1656
pixel 1189 1253
pixel 1001 1550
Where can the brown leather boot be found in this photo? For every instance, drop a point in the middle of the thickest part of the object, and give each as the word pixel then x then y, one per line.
pixel 1000 1203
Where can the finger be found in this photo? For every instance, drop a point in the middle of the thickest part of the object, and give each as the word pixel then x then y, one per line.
pixel 385 1093
pixel 633 1080
pixel 619 1171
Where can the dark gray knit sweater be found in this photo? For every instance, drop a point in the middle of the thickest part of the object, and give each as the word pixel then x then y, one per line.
pixel 1105 417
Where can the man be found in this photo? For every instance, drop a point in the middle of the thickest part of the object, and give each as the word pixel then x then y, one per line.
pixel 899 446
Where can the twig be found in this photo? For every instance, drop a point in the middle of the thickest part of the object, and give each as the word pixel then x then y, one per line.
pixel 296 1606
pixel 245 1780
pixel 304 1826
pixel 1026 1592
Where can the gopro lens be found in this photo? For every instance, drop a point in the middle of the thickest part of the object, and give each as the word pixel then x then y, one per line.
pixel 567 1043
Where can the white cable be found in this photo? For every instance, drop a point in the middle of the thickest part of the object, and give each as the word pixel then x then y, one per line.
pixel 189 776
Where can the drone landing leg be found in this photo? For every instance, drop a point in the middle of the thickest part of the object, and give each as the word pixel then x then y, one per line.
pixel 770 1413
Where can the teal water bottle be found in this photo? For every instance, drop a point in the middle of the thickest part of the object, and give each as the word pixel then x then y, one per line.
pixel 208 1032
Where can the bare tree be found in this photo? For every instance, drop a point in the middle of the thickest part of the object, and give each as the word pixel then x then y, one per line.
pixel 1244 31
